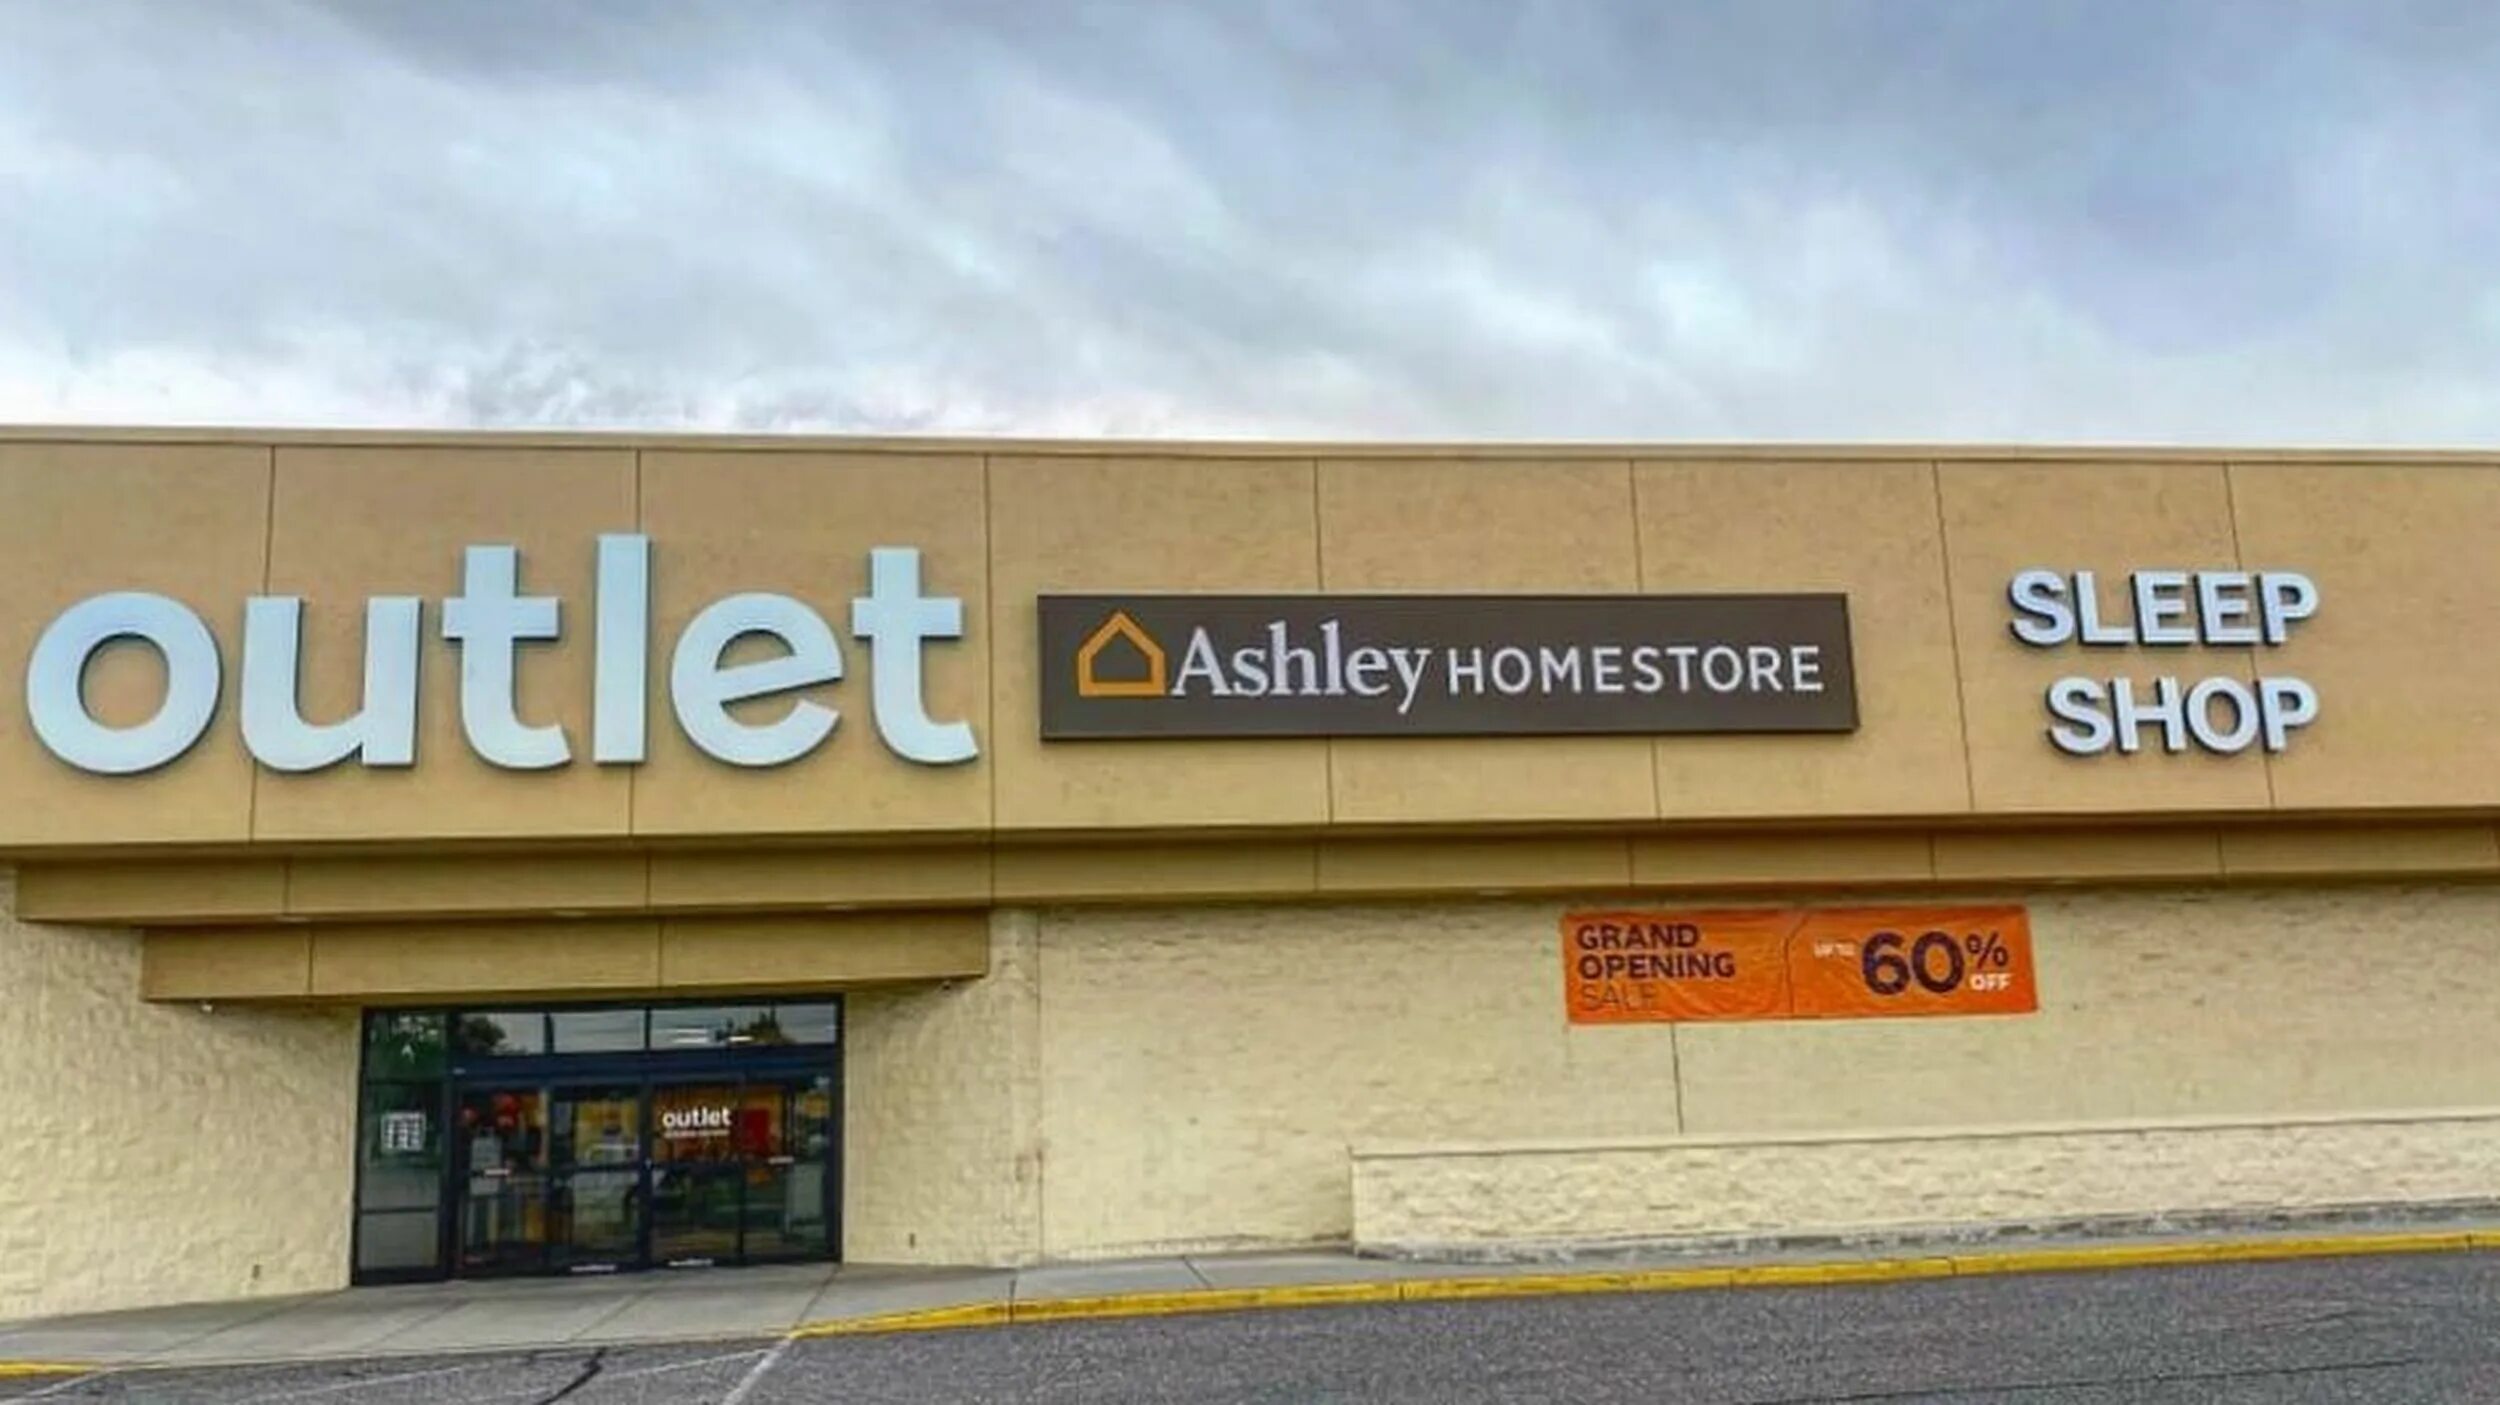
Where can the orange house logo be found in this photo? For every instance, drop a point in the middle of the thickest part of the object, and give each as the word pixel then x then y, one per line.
pixel 1120 629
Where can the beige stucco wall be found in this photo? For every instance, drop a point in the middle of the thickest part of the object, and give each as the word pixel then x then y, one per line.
pixel 1146 1078
pixel 161 1153
pixel 1525 1197
pixel 2166 1003
pixel 941 1117
pixel 1205 1071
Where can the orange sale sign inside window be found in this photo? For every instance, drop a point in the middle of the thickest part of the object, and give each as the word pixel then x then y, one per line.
pixel 1789 963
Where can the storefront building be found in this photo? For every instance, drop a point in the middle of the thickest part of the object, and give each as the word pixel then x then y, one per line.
pixel 450 855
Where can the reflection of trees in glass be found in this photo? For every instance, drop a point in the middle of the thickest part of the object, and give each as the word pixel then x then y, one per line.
pixel 748 1026
pixel 403 1045
pixel 480 1034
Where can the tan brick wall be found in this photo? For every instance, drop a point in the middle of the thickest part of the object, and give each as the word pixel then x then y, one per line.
pixel 941 1151
pixel 1205 1070
pixel 1525 1198
pixel 161 1153
pixel 2179 1003
pixel 1134 1079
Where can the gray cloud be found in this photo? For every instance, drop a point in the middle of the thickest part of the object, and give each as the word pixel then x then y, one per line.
pixel 1892 219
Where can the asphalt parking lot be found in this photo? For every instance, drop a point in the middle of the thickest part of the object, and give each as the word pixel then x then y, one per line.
pixel 2402 1328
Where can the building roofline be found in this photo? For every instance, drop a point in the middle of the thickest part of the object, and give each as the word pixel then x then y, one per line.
pixel 1772 450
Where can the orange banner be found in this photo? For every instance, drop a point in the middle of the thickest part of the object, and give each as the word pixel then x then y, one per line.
pixel 1791 963
pixel 1620 967
pixel 1859 962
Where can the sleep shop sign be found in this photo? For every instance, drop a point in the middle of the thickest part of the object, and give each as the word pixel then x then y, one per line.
pixel 1796 963
pixel 2171 616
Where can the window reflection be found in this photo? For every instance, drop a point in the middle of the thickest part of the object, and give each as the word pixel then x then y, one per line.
pixel 713 1027
pixel 395 1242
pixel 598 1031
pixel 402 1044
pixel 811 1118
pixel 744 1026
pixel 598 1126
pixel 412 1045
pixel 402 1146
pixel 496 1032
pixel 811 1024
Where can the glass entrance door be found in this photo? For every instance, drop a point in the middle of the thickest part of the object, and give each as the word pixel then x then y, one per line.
pixel 695 1164
pixel 596 1177
pixel 551 1178
pixel 788 1210
pixel 740 1170
pixel 618 1174
pixel 598 1138
pixel 503 1169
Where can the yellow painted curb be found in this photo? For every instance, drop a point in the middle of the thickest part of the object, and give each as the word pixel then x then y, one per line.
pixel 1677 1280
pixel 1842 1271
pixel 927 1319
pixel 1321 1294
pixel 41 1368
pixel 1657 1280
pixel 1165 1304
pixel 1526 1285
pixel 2335 1246
pixel 2208 1251
pixel 2081 1257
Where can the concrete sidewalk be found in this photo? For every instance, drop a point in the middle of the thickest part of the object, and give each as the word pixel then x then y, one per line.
pixel 829 1299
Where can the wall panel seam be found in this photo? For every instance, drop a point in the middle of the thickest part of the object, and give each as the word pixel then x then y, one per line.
pixel 1041 1095
pixel 268 555
pixel 1319 582
pixel 1675 1059
pixel 1640 584
pixel 2239 558
pixel 633 774
pixel 1953 633
pixel 989 645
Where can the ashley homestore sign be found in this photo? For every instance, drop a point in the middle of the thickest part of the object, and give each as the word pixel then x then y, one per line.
pixel 1444 665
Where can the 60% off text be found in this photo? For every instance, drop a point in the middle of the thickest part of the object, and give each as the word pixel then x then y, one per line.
pixel 1938 962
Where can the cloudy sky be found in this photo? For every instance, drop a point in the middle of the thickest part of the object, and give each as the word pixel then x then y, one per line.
pixel 1901 219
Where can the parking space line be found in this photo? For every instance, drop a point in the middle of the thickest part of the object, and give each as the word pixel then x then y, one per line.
pixel 58 1386
pixel 755 1374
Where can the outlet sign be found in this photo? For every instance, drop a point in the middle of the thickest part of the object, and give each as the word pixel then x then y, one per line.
pixel 493 622
pixel 681 1123
pixel 1443 665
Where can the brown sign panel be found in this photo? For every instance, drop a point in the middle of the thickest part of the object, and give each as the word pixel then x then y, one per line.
pixel 1443 665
